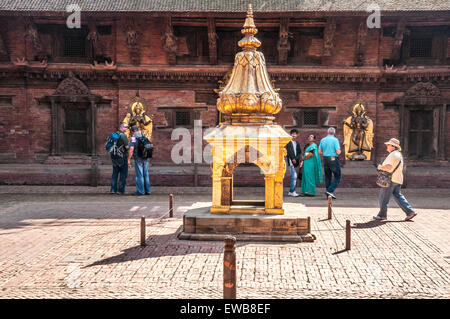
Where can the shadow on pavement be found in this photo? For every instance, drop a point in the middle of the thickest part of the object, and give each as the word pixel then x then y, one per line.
pixel 375 223
pixel 165 245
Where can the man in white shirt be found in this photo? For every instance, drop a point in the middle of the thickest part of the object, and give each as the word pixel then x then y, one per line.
pixel 393 163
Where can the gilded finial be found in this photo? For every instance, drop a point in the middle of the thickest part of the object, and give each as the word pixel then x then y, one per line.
pixel 249 42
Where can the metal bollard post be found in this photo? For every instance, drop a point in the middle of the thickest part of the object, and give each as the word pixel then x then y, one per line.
pixel 171 205
pixel 347 235
pixel 143 231
pixel 229 268
pixel 330 202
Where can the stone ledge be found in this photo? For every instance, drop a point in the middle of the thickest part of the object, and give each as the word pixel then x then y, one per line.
pixel 309 238
pixel 293 226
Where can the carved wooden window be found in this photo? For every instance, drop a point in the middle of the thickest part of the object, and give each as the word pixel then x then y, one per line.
pixel 420 48
pixel 227 44
pixel 306 46
pixel 425 45
pixel 316 117
pixel 389 31
pixel 104 29
pixel 269 38
pixel 228 38
pixel 64 44
pixel 310 118
pixel 193 45
pixel 179 117
pixel 74 46
pixel 182 118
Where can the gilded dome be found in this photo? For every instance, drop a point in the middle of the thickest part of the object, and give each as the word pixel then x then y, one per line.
pixel 249 91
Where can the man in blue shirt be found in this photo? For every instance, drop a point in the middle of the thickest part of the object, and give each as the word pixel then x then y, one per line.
pixel 330 149
pixel 140 164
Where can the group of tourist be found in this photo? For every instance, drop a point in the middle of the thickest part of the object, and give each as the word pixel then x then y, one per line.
pixel 310 170
pixel 122 151
pixel 309 164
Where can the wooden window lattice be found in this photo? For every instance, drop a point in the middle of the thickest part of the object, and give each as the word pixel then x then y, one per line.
pixel 182 118
pixel 311 118
pixel 74 47
pixel 421 48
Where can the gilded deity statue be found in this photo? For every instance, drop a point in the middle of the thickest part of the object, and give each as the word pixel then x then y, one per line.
pixel 137 116
pixel 358 135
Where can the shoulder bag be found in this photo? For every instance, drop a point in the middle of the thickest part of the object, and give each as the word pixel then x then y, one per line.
pixel 384 179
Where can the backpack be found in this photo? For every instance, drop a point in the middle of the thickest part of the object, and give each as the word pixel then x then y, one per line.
pixel 112 145
pixel 144 147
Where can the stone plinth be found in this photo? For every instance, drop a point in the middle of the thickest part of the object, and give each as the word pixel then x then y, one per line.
pixel 293 226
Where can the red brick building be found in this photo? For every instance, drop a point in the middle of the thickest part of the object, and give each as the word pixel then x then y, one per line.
pixel 62 90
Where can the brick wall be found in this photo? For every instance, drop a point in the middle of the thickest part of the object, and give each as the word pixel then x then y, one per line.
pixel 26 126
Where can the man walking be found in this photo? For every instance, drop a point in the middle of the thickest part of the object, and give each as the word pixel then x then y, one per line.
pixel 294 153
pixel 140 164
pixel 330 149
pixel 117 145
pixel 393 164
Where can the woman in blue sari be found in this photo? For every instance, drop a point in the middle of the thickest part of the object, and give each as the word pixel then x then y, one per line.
pixel 312 168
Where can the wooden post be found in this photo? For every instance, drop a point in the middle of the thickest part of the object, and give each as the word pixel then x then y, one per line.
pixel 330 202
pixel 143 231
pixel 171 205
pixel 229 268
pixel 347 235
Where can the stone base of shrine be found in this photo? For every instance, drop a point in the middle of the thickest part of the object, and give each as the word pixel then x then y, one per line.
pixel 293 226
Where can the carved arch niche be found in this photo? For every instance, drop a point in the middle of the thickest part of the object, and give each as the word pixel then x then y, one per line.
pixel 74 117
pixel 422 113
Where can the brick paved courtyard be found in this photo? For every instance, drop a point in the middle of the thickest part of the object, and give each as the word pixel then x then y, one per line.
pixel 79 242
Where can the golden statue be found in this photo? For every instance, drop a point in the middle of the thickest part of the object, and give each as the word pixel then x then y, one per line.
pixel 358 134
pixel 137 116
pixel 247 134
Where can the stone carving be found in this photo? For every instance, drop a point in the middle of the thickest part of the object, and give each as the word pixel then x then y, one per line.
pixel 3 50
pixel 137 116
pixel 358 134
pixel 20 61
pixel 170 42
pixel 72 86
pixel 422 89
pixel 397 47
pixel 283 45
pixel 94 38
pixel 212 41
pixel 328 36
pixel 131 39
pixel 31 33
pixel 361 43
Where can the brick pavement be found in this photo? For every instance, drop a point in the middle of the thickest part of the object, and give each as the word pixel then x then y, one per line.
pixel 75 242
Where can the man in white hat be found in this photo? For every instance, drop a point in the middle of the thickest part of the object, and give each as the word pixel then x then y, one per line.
pixel 393 163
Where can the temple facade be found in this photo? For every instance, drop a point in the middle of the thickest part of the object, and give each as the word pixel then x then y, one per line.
pixel 64 90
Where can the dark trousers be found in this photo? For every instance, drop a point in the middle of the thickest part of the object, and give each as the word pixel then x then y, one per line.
pixel 331 168
pixel 120 172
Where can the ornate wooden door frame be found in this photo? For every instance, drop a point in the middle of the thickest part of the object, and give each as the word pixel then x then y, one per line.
pixel 424 96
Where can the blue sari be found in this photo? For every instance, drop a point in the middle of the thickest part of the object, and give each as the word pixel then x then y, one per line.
pixel 312 171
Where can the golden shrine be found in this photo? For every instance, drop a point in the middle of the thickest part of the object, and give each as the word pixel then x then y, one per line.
pixel 248 133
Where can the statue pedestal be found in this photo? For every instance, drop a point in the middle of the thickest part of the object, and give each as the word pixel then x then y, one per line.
pixel 293 226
